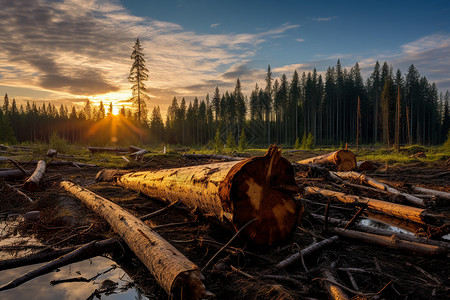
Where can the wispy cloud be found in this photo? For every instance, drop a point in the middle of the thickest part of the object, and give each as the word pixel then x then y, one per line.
pixel 324 19
pixel 300 40
pixel 79 48
pixel 214 25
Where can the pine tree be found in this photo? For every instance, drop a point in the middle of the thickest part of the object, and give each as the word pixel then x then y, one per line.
pixel 139 74
pixel 243 143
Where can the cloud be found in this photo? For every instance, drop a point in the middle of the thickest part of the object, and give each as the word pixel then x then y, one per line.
pixel 300 40
pixel 76 48
pixel 324 19
pixel 214 25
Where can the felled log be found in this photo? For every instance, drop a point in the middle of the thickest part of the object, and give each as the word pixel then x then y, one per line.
pixel 379 231
pixel 392 242
pixel 32 184
pixel 138 153
pixel 342 160
pixel 238 192
pixel 12 174
pixel 414 214
pixel 173 271
pixel 440 194
pixel 51 153
pixel 379 185
pixel 365 166
pixel 334 291
pixel 89 250
pixel 107 149
pixel 213 156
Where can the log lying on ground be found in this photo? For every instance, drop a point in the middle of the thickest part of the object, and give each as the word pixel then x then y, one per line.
pixel 384 232
pixel 12 174
pixel 365 165
pixel 260 187
pixel 108 149
pixel 32 184
pixel 410 213
pixel 213 156
pixel 440 194
pixel 173 271
pixel 138 153
pixel 89 250
pixel 376 184
pixel 343 160
pixel 392 242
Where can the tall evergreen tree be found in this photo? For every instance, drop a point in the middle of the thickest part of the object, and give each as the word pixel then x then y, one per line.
pixel 139 74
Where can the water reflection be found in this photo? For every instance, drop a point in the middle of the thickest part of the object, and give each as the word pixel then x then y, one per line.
pixel 40 288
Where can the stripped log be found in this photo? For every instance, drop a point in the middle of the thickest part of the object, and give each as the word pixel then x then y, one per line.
pixel 379 185
pixel 343 160
pixel 308 250
pixel 439 194
pixel 260 187
pixel 138 153
pixel 174 272
pixel 418 215
pixel 392 242
pixel 334 291
pixel 32 184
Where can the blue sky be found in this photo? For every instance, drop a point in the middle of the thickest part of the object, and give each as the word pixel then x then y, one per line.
pixel 68 51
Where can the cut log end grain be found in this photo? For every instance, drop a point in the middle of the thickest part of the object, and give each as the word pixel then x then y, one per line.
pixel 343 160
pixel 250 191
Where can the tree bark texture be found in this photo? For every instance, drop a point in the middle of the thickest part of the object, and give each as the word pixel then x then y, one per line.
pixel 174 272
pixel 231 191
pixel 343 160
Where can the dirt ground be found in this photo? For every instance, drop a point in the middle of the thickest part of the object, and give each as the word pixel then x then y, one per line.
pixel 246 271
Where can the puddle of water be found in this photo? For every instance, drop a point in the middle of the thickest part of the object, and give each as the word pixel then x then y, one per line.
pixel 40 288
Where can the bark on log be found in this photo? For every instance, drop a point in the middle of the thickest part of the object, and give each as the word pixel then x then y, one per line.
pixel 392 242
pixel 107 149
pixel 32 184
pixel 11 174
pixel 213 156
pixel 173 271
pixel 343 160
pixel 234 191
pixel 439 194
pixel 414 214
pixel 365 165
pixel 376 184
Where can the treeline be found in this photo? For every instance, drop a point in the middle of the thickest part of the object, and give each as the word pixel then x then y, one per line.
pixel 337 108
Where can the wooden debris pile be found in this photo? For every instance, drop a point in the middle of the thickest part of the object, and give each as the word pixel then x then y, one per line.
pixel 261 227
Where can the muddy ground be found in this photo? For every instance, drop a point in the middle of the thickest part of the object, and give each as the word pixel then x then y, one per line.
pixel 245 271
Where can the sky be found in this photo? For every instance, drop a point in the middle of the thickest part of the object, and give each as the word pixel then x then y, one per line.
pixel 65 52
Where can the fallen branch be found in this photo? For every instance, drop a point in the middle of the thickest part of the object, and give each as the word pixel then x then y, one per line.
pixel 13 174
pixel 376 184
pixel 414 214
pixel 88 250
pixel 308 250
pixel 173 271
pixel 158 212
pixel 392 242
pixel 20 193
pixel 32 184
pixel 107 149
